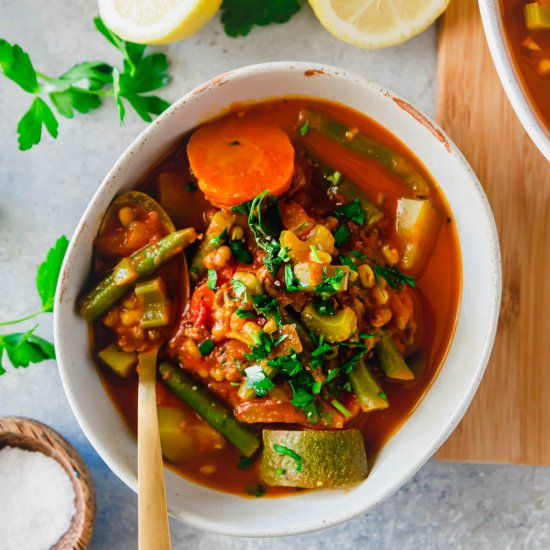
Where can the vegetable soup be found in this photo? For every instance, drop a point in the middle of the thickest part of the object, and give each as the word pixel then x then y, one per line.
pixel 295 273
pixel 527 28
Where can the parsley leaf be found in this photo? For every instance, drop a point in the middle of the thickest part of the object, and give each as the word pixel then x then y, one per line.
pixel 212 279
pixel 24 348
pixel 240 290
pixel 393 276
pixel 220 238
pixel 264 344
pixel 48 273
pixel 341 235
pixel 334 178
pixel 266 306
pixel 29 129
pixel 304 129
pixel 291 282
pixel 240 252
pixel 292 454
pixel 244 463
pixel 330 285
pixel 352 211
pixel 243 314
pixel 324 307
pixel 206 347
pixel 346 260
pixel 264 220
pixel 239 16
pixel 257 380
pixel 17 66
pixel 286 364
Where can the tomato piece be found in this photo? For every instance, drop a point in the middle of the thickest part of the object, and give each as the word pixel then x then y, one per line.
pixel 200 308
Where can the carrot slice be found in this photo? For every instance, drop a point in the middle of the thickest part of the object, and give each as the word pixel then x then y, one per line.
pixel 235 159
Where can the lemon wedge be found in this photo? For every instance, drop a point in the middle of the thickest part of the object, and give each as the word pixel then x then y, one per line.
pixel 156 21
pixel 377 23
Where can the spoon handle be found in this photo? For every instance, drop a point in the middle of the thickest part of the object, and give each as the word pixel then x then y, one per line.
pixel 154 533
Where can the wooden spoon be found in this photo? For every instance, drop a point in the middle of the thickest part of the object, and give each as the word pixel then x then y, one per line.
pixel 154 533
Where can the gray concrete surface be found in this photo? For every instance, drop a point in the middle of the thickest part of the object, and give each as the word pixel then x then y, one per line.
pixel 43 193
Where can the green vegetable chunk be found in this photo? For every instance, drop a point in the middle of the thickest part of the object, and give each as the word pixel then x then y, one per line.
pixel 144 262
pixel 366 389
pixel 391 360
pixel 313 459
pixel 209 408
pixel 334 328
pixel 120 362
pixel 153 298
pixel 366 146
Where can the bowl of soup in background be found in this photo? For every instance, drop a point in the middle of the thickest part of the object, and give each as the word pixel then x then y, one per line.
pixel 444 404
pixel 527 89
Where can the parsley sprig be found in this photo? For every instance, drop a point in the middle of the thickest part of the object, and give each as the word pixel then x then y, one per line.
pixel 239 16
pixel 24 348
pixel 84 85
pixel 393 276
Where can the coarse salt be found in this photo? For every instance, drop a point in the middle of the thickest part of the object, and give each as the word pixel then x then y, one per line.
pixel 37 500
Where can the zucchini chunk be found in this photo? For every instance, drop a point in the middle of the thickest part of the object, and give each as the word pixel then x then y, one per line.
pixel 313 459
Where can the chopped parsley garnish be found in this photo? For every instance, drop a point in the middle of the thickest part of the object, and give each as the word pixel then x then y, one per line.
pixel 341 235
pixel 221 238
pixel 352 211
pixel 257 380
pixel 244 463
pixel 206 347
pixel 279 471
pixel 319 354
pixel 357 254
pixel 334 178
pixel 267 306
pixel 330 285
pixel 315 253
pixel 383 396
pixel 346 260
pixel 339 407
pixel 191 186
pixel 304 129
pixel 393 276
pixel 244 314
pixel 324 307
pixel 316 388
pixel 240 289
pixel 291 282
pixel 287 364
pixel 257 491
pixel 264 220
pixel 240 252
pixel 264 344
pixel 331 375
pixel 281 449
pixel 302 396
pixel 212 279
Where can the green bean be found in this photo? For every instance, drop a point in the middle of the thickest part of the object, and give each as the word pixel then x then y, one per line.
pixel 391 360
pixel 209 408
pixel 221 221
pixel 137 267
pixel 366 146
pixel 366 389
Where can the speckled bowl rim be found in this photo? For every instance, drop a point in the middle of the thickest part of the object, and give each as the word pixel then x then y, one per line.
pixel 496 39
pixel 64 314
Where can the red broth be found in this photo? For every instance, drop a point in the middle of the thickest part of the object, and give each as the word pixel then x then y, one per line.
pixel 437 293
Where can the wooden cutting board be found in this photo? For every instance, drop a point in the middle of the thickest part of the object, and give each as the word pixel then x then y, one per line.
pixel 509 419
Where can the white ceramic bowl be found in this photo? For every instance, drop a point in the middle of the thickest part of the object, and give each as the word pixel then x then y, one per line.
pixel 435 417
pixel 496 39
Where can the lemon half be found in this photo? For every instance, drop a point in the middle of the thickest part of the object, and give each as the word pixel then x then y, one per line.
pixel 377 23
pixel 156 21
